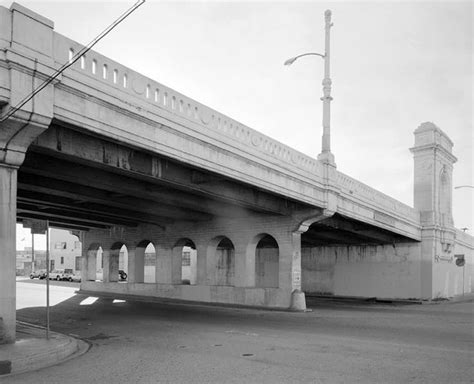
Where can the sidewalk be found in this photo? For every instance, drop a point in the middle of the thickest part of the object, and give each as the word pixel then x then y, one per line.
pixel 33 351
pixel 315 299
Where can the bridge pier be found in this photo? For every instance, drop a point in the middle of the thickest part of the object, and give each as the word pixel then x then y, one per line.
pixel 26 66
pixel 13 146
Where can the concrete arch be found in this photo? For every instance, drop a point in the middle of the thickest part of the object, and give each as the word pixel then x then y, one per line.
pixel 221 261
pixel 184 260
pixel 267 257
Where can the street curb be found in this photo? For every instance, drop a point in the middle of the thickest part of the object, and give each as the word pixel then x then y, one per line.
pixel 376 300
pixel 38 353
pixel 362 300
pixel 167 301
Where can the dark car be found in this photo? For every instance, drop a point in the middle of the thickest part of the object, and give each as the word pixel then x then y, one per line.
pixel 40 274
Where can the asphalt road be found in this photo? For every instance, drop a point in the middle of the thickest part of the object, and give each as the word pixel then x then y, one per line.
pixel 136 342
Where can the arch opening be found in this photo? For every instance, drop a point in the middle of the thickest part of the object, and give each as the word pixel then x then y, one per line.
pixel 267 255
pixel 145 263
pixel 225 262
pixel 185 259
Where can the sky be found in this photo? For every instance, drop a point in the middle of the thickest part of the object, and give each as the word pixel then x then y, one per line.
pixel 394 65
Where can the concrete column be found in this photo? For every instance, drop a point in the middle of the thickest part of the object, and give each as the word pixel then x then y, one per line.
pixel 211 264
pixel 114 265
pixel 85 265
pixel 91 271
pixel 244 266
pixel 8 190
pixel 136 265
pixel 176 265
pixel 193 267
pixel 111 262
pixel 164 264
pixel 201 264
pixel 290 268
pixel 89 262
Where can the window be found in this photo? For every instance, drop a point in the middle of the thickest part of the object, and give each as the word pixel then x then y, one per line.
pixel 60 245
pixel 186 259
pixel 62 260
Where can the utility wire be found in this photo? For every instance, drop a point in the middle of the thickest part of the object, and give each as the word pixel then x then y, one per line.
pixel 71 61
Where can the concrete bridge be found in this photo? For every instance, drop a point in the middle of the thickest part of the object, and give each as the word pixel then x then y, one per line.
pixel 125 160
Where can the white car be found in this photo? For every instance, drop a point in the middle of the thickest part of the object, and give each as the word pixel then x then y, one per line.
pixel 60 274
pixel 56 274
pixel 75 277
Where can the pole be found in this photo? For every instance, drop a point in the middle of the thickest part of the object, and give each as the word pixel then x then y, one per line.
pixel 47 279
pixel 326 154
pixel 32 252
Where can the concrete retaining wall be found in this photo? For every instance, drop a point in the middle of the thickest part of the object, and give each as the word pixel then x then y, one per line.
pixel 384 271
pixel 450 280
pixel 268 297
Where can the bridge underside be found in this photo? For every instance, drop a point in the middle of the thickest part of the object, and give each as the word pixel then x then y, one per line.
pixel 341 230
pixel 81 182
pixel 78 182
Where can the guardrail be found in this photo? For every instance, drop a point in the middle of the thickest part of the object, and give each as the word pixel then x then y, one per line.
pixel 371 196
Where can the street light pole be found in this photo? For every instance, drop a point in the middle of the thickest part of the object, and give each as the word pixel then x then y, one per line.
pixel 325 156
pixel 32 252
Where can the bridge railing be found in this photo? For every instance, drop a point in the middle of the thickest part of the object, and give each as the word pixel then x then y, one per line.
pixel 376 199
pixel 158 95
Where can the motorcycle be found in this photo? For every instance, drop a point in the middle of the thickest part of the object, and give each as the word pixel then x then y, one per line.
pixel 122 275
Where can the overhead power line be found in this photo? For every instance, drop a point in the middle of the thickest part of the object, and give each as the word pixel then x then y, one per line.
pixel 71 61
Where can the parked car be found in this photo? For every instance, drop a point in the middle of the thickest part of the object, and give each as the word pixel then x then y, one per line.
pixel 75 277
pixel 56 274
pixel 40 274
pixel 60 274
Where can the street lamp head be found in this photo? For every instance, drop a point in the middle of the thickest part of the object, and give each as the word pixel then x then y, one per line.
pixel 293 59
pixel 290 61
